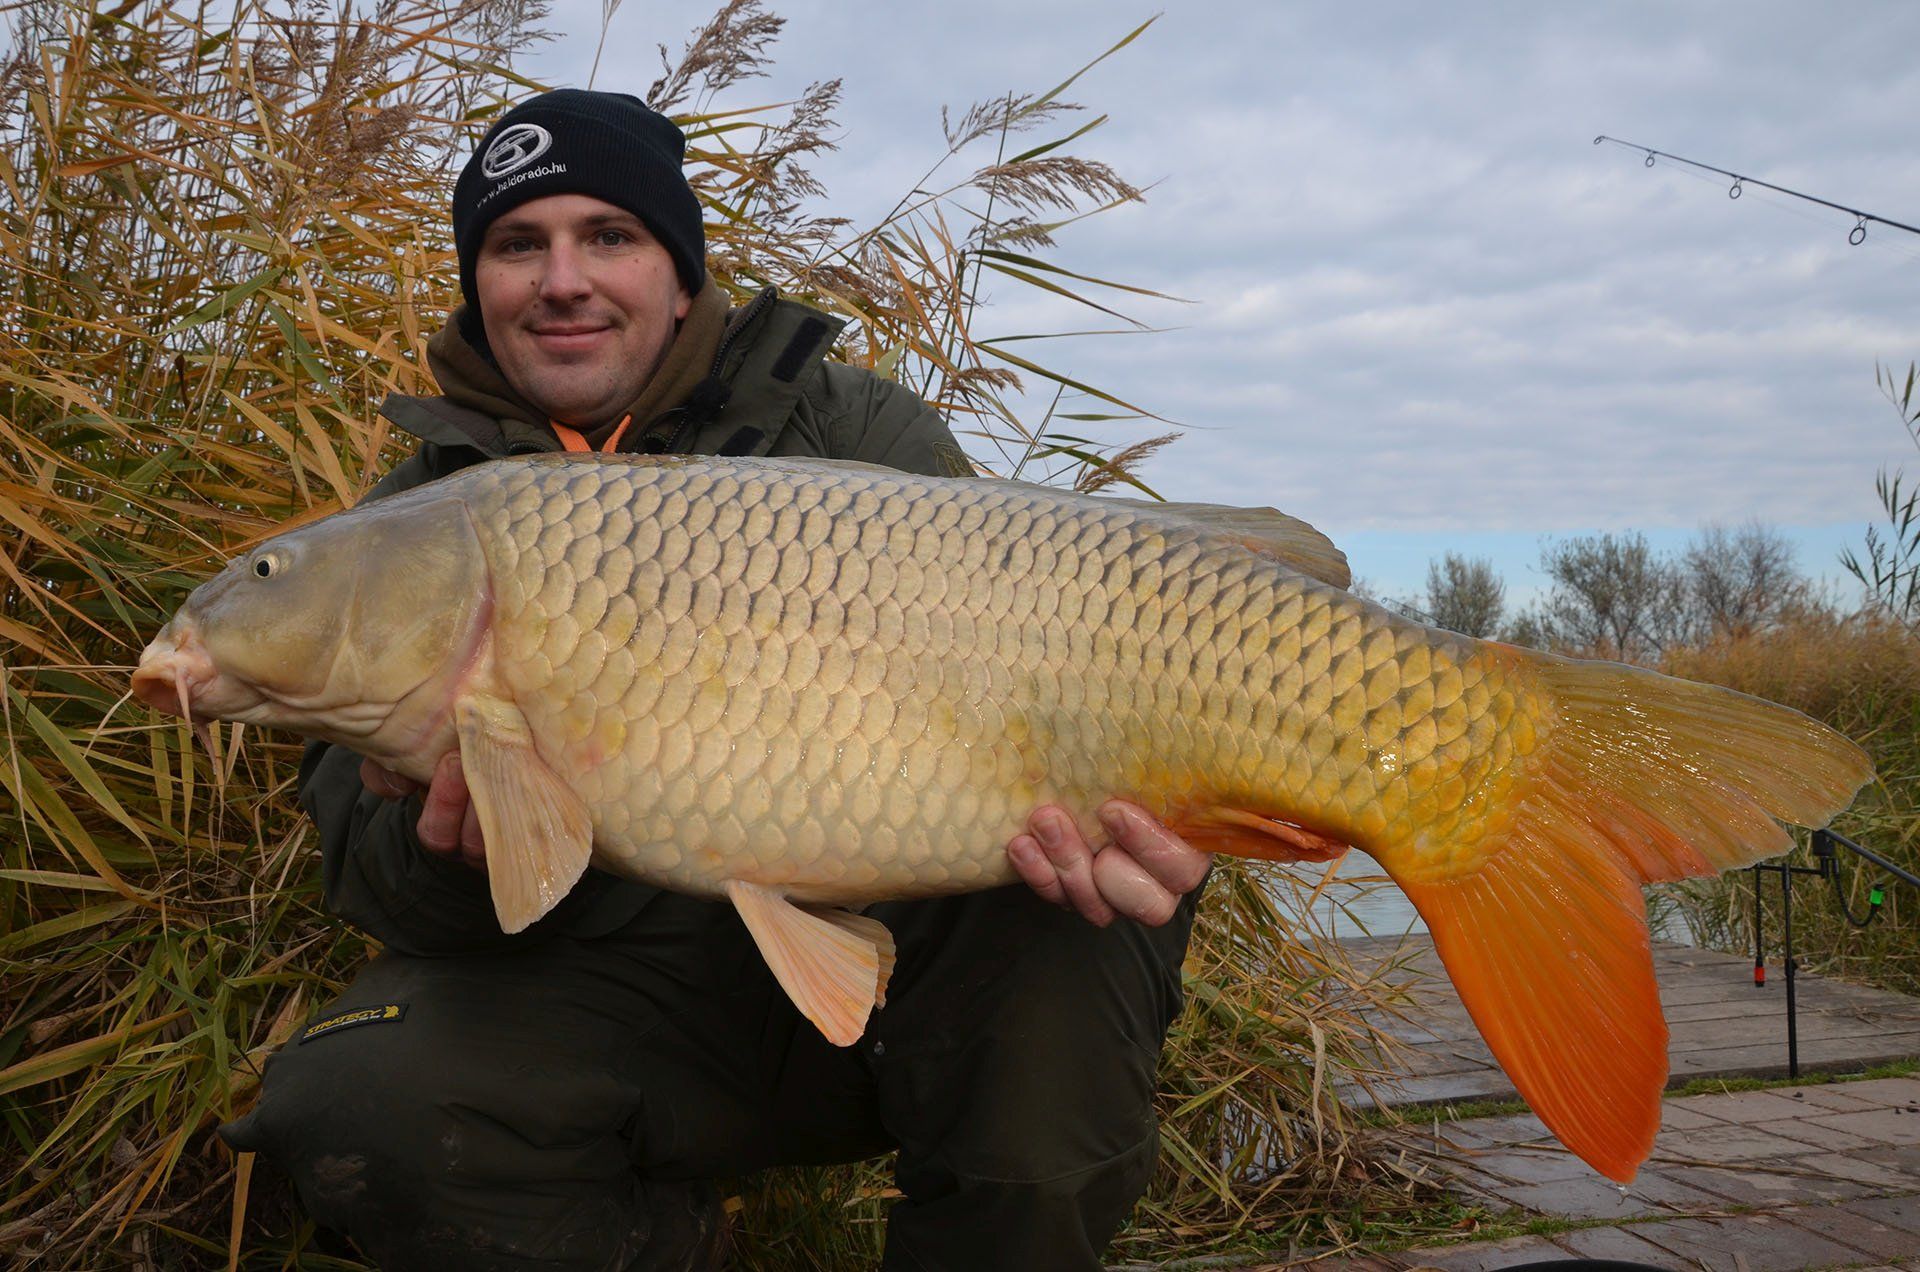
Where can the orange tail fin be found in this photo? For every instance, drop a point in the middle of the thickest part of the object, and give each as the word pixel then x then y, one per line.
pixel 1642 778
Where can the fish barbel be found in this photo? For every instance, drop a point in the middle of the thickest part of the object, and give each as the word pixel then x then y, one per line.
pixel 807 685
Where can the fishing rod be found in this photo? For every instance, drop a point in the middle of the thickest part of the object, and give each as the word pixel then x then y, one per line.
pixel 1856 236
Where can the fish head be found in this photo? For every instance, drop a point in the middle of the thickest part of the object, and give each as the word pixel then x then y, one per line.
pixel 342 630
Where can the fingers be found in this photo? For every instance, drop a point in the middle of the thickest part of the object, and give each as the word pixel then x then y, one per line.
pixel 1173 863
pixel 1056 862
pixel 384 782
pixel 1142 874
pixel 473 846
pixel 1131 890
pixel 448 824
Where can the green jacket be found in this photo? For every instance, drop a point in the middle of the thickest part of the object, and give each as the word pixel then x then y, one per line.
pixel 783 399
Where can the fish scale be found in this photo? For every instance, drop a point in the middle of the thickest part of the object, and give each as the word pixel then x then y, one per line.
pixel 1003 645
pixel 805 685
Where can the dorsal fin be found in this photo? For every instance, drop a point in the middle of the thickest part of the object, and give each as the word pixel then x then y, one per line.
pixel 1268 530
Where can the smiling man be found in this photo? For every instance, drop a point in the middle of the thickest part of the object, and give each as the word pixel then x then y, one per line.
pixel 565 1097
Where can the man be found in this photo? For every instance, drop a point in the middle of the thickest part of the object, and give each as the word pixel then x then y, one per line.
pixel 562 1097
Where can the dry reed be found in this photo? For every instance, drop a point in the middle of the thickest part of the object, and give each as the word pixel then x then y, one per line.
pixel 1859 673
pixel 223 240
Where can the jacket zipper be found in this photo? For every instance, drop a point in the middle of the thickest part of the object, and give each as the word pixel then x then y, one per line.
pixel 679 438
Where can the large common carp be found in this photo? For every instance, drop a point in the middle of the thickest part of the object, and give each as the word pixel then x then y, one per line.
pixel 804 685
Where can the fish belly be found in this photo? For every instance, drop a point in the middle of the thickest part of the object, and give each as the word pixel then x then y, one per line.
pixel 858 684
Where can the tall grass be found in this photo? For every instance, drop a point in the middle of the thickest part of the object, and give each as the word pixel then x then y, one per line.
pixel 1860 674
pixel 222 240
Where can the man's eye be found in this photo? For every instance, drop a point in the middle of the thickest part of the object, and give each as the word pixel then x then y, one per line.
pixel 612 238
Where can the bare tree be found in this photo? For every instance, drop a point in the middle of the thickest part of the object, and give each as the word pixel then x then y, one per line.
pixel 1739 581
pixel 1465 595
pixel 1612 597
pixel 1529 627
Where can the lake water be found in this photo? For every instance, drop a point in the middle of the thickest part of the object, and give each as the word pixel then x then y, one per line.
pixel 1362 901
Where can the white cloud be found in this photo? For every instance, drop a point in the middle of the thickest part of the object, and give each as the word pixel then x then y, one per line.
pixel 1428 302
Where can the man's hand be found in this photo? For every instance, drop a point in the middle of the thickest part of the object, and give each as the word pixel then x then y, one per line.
pixel 448 824
pixel 1142 873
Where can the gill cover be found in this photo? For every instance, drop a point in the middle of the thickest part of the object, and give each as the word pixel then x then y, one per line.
pixel 361 608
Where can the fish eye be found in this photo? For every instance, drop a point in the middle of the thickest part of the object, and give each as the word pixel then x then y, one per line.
pixel 265 567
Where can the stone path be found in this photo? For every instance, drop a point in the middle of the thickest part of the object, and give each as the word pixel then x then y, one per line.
pixel 1720 1024
pixel 1781 1180
pixel 1752 1181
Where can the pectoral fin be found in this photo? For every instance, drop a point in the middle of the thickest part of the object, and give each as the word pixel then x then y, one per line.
pixel 834 965
pixel 539 836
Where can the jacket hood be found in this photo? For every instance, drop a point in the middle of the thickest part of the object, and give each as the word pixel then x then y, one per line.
pixel 728 383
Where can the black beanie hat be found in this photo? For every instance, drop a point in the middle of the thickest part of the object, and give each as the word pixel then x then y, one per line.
pixel 611 146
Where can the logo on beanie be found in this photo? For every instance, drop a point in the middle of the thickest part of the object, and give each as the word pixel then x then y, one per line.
pixel 515 148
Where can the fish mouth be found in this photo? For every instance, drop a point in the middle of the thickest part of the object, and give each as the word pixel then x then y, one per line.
pixel 177 676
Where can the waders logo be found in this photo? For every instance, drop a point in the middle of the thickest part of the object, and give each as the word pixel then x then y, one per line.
pixel 514 149
pixel 385 1014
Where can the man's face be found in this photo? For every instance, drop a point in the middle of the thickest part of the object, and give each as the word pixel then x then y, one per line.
pixel 580 304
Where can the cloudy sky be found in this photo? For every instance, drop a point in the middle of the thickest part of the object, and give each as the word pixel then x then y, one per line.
pixel 1429 313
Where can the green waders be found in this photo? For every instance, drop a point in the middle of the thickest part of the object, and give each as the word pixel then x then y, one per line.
pixel 562 1106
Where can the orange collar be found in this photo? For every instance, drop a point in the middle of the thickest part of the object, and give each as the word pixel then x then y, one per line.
pixel 573 441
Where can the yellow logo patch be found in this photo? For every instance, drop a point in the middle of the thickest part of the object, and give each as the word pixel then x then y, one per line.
pixel 390 1013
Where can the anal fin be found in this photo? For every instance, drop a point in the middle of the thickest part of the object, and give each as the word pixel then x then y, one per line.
pixel 1240 833
pixel 834 965
pixel 538 833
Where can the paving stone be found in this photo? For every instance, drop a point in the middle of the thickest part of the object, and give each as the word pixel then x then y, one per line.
pixel 1596 1198
pixel 1529 1166
pixel 1753 1058
pixel 1745 1107
pixel 1885 1091
pixel 1469 1132
pixel 1511 1128
pixel 1484 1256
pixel 1856 1048
pixel 1444 1057
pixel 1707 1003
pixel 1445 1088
pixel 1728 1144
pixel 1720 1023
pixel 1811 1132
pixel 1680 1115
pixel 1471 1185
pixel 1900 1164
pixel 1617 1243
pixel 1896 1212
pixel 1332 1263
pixel 1878 1168
pixel 1746 1243
pixel 1849 1227
pixel 1745 1029
pixel 1426 1021
pixel 1745 1061
pixel 1879 1126
pixel 1838 1096
pixel 1750 1187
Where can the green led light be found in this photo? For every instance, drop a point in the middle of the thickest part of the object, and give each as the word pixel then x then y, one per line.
pixel 1874 897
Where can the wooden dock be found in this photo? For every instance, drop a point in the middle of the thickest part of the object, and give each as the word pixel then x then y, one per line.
pixel 1721 1024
